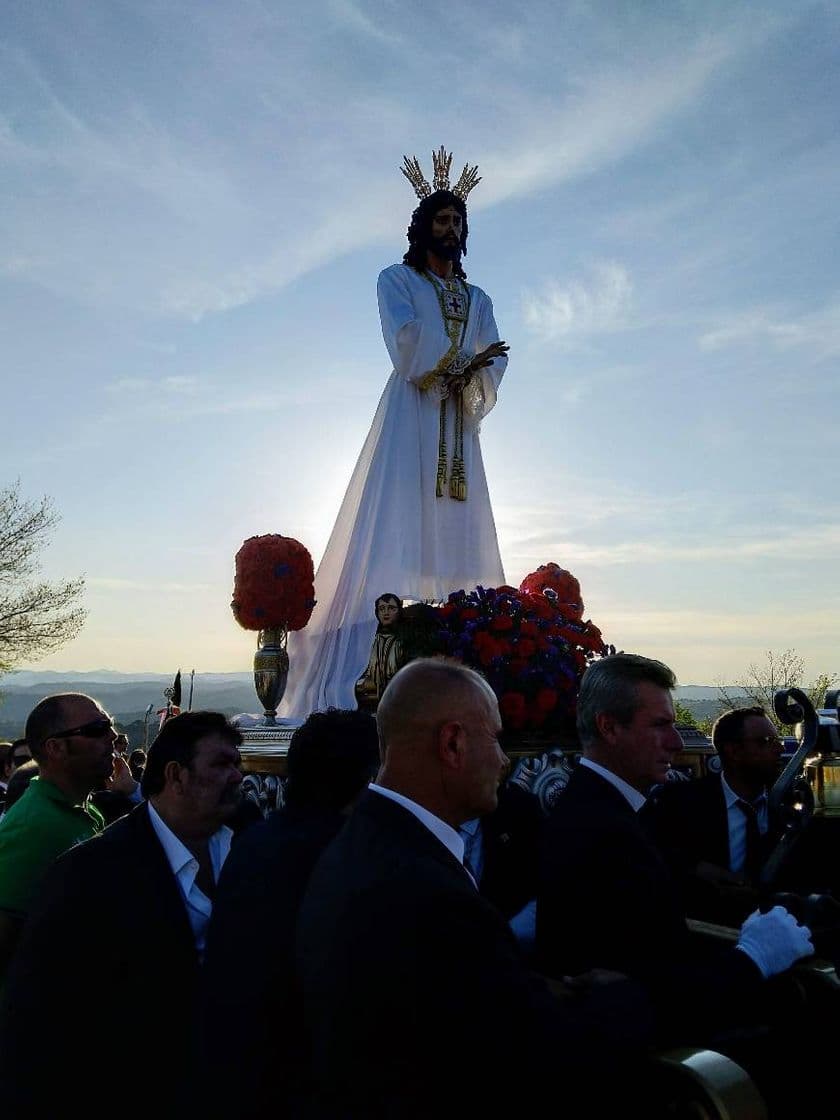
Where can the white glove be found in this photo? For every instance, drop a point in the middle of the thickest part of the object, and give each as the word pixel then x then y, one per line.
pixel 775 940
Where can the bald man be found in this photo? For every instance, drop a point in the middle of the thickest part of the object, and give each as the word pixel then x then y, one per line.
pixel 416 997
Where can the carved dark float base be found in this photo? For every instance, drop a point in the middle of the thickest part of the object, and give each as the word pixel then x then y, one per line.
pixel 264 750
pixel 540 764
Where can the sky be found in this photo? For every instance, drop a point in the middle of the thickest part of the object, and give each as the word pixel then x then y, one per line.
pixel 196 198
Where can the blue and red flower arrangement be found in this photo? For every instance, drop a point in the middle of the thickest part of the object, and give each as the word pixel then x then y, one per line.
pixel 531 644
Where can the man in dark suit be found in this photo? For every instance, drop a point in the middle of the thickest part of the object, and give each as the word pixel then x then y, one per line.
pixel 112 946
pixel 716 832
pixel 416 998
pixel 606 895
pixel 248 975
pixel 502 850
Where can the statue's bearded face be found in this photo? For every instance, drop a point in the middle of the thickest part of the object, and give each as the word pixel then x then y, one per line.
pixel 445 236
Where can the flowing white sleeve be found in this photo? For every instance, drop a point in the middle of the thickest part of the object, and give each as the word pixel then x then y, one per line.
pixel 480 394
pixel 415 347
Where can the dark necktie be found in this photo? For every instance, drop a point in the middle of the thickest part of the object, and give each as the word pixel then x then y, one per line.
pixel 753 857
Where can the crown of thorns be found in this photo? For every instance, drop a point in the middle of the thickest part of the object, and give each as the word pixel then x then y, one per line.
pixel 441 163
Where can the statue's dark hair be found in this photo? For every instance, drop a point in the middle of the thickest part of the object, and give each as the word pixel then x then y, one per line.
pixel 420 229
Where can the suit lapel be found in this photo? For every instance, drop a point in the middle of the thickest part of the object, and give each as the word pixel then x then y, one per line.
pixel 155 880
pixel 612 803
pixel 599 789
pixel 412 831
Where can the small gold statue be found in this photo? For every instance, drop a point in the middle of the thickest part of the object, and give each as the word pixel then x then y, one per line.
pixel 386 653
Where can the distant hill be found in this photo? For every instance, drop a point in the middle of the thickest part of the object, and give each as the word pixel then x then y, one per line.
pixel 686 692
pixel 704 701
pixel 106 676
pixel 126 696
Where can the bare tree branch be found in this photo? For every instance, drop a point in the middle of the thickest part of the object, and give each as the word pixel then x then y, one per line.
pixel 779 671
pixel 36 617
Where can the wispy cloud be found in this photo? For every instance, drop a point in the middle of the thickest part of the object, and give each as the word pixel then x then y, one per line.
pixel 610 110
pixel 615 528
pixel 823 543
pixel 178 384
pixel 712 647
pixel 171 398
pixel 580 308
pixel 584 505
pixel 712 625
pixel 352 17
pixel 816 332
pixel 128 385
pixel 120 584
pixel 181 383
pixel 205 224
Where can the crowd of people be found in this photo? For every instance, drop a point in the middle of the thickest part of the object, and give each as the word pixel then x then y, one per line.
pixel 402 932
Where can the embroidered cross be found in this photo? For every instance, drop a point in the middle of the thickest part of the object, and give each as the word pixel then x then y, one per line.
pixel 454 305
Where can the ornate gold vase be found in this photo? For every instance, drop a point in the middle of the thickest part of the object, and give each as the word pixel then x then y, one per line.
pixel 271 670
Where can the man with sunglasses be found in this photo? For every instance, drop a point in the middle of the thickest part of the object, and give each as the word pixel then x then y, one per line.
pixel 72 739
pixel 716 831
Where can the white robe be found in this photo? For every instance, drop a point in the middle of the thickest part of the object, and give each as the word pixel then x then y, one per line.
pixel 392 533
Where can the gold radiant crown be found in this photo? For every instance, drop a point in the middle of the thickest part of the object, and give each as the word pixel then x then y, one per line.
pixel 441 163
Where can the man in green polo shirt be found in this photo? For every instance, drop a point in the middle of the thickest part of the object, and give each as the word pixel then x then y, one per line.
pixel 72 739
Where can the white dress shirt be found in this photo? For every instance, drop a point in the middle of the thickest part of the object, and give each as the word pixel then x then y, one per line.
pixel 444 832
pixel 635 798
pixel 185 868
pixel 738 824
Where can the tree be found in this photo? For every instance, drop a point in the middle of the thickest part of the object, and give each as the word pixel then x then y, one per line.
pixel 683 715
pixel 705 725
pixel 36 617
pixel 780 670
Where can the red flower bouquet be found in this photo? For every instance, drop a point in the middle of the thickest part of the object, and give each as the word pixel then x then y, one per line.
pixel 531 644
pixel 275 584
pixel 551 577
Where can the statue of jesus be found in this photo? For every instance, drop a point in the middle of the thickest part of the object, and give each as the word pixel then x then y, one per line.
pixel 416 517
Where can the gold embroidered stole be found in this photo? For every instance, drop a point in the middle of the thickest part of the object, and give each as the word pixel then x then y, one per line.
pixel 454 299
